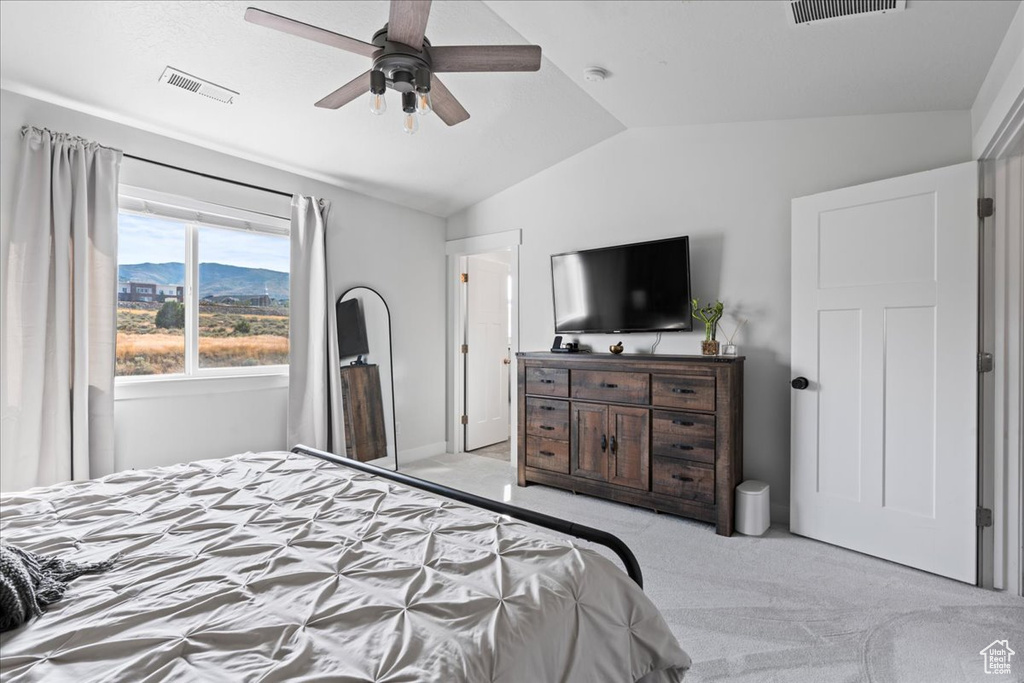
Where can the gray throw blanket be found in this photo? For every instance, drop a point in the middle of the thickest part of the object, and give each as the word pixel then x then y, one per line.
pixel 30 582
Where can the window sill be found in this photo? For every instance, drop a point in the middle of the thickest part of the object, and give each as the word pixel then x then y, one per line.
pixel 164 387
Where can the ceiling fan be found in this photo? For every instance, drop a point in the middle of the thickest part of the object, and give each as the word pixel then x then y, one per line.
pixel 405 61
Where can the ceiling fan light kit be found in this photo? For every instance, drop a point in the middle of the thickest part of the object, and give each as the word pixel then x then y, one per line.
pixel 405 61
pixel 378 86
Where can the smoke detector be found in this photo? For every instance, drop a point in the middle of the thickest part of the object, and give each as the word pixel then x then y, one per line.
pixel 180 79
pixel 802 12
pixel 594 74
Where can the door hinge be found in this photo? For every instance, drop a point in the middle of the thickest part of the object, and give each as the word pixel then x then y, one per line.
pixel 464 277
pixel 983 517
pixel 985 362
pixel 986 207
pixel 465 348
pixel 465 419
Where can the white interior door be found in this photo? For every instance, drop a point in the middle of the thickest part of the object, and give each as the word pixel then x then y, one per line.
pixel 885 332
pixel 487 360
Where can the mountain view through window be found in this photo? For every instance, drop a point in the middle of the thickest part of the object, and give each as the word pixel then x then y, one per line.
pixel 242 299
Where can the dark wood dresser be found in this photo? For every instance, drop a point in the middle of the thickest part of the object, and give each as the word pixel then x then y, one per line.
pixel 365 436
pixel 662 432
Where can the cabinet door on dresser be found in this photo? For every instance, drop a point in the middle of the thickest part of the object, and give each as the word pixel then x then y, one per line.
pixel 629 443
pixel 589 441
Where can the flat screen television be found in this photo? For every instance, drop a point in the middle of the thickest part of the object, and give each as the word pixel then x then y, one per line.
pixel 351 329
pixel 642 287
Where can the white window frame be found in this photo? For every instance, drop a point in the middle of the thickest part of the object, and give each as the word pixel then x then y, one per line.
pixel 146 202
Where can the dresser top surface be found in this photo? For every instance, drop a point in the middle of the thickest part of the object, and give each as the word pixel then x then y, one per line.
pixel 643 357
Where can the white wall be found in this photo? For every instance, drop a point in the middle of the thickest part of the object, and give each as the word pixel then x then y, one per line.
pixel 398 251
pixel 729 188
pixel 1001 94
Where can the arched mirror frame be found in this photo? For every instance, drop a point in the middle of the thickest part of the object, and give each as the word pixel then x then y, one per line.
pixel 391 360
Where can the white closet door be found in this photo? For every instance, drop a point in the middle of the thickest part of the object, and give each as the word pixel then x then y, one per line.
pixel 885 332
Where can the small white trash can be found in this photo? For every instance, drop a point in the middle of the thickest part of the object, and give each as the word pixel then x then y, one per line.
pixel 752 508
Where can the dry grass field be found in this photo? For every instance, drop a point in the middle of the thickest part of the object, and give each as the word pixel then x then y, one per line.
pixel 145 349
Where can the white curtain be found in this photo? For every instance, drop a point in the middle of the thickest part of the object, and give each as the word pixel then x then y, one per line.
pixel 314 394
pixel 59 313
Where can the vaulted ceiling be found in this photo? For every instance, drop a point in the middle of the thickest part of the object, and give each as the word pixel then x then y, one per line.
pixel 669 62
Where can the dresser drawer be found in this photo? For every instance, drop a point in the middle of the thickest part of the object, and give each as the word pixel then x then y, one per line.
pixel 547 381
pixel 547 454
pixel 683 435
pixel 683 479
pixel 547 418
pixel 692 392
pixel 613 387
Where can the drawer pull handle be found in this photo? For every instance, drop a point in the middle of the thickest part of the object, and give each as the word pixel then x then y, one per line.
pixel 547 408
pixel 615 446
pixel 607 385
pixel 547 453
pixel 679 477
pixel 677 390
pixel 682 423
pixel 604 443
pixel 547 428
pixel 547 381
pixel 682 447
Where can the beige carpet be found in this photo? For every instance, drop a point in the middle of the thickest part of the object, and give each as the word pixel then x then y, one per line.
pixel 499 451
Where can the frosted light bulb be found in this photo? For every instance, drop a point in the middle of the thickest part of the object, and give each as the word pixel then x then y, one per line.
pixel 378 104
pixel 409 123
pixel 423 103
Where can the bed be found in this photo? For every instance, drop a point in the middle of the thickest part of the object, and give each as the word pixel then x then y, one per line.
pixel 289 567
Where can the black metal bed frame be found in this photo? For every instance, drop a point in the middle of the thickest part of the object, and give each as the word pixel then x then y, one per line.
pixel 555 524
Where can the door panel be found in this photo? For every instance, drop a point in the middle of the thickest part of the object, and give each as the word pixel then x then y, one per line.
pixel 909 448
pixel 589 441
pixel 487 369
pixel 839 419
pixel 630 451
pixel 884 327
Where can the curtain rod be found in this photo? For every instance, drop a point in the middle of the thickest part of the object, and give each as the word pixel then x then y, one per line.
pixel 209 175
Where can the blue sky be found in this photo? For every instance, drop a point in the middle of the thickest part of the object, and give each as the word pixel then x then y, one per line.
pixel 150 239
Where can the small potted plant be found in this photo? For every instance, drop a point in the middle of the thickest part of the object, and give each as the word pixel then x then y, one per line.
pixel 709 315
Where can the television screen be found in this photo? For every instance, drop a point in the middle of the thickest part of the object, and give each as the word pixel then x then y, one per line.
pixel 351 329
pixel 643 287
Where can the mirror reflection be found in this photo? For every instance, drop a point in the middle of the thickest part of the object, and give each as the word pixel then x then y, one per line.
pixel 367 384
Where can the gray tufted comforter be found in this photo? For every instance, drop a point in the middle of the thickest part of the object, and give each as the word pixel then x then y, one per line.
pixel 280 567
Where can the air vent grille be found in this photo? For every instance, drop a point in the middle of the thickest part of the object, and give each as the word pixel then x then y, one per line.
pixel 813 11
pixel 180 79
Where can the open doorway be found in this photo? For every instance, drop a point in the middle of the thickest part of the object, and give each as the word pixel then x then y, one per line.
pixel 487 347
pixel 483 341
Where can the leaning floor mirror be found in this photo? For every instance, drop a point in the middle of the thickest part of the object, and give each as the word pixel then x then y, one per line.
pixel 367 377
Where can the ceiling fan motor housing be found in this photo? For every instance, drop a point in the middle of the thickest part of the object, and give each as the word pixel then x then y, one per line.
pixel 404 67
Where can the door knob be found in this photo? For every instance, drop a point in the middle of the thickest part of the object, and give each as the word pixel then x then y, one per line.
pixel 800 383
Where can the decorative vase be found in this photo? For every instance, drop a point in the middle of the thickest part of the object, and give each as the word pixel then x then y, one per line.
pixel 709 347
pixel 728 349
pixel 616 348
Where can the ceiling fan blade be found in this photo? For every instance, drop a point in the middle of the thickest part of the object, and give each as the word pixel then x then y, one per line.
pixel 407 22
pixel 360 85
pixel 308 31
pixel 485 58
pixel 444 103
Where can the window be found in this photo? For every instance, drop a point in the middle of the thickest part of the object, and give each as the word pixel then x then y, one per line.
pixel 202 290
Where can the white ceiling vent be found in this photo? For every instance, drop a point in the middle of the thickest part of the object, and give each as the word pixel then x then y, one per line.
pixel 180 79
pixel 815 11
